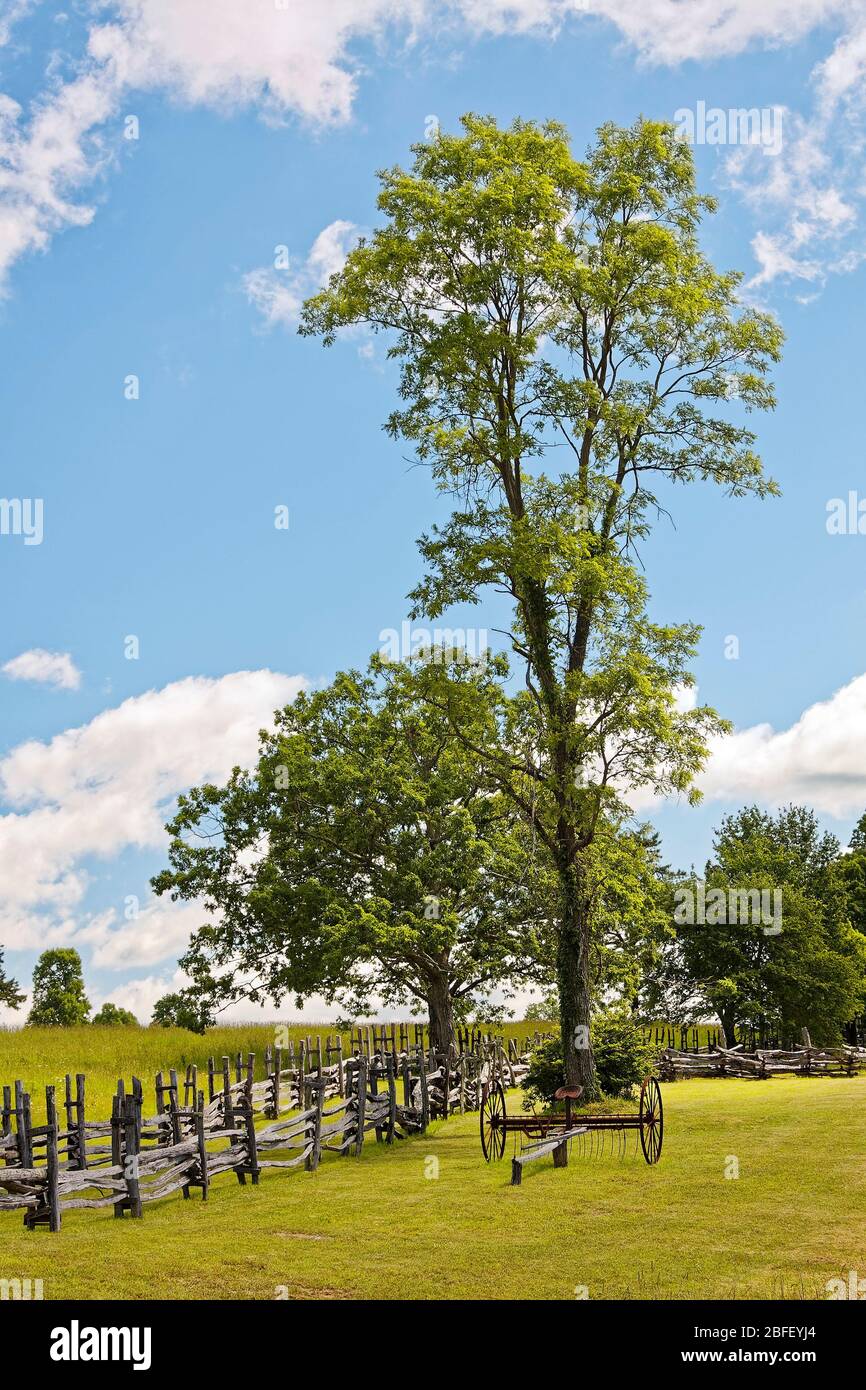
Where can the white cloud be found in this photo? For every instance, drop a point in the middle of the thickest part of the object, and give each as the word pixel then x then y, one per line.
pixel 43 163
pixel 107 786
pixel 48 668
pixel 279 294
pixel 809 197
pixel 161 930
pixel 292 61
pixel 667 31
pixel 139 996
pixel 276 295
pixel 820 759
pixel 295 58
pixel 283 56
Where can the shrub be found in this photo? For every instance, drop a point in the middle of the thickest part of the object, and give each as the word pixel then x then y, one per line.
pixel 622 1058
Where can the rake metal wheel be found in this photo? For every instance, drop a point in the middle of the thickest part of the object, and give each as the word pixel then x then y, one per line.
pixel 652 1120
pixel 493 1122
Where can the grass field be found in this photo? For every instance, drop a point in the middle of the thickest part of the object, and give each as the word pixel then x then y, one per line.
pixel 383 1226
pixel 42 1056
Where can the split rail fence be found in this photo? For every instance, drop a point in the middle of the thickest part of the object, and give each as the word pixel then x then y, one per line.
pixel 762 1063
pixel 313 1099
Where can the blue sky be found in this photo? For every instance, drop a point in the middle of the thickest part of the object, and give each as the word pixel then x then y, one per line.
pixel 262 126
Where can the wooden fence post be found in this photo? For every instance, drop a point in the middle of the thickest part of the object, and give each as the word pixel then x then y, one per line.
pixel 202 1147
pixel 228 1111
pixel 81 1120
pixel 176 1134
pixel 392 1097
pixel 6 1125
pixel 311 1162
pixel 131 1115
pixel 252 1164
pixel 52 1161
pixel 361 1078
pixel 406 1074
pixel 23 1126
pixel 117 1147
pixel 425 1091
pixel 275 1083
pixel 76 1134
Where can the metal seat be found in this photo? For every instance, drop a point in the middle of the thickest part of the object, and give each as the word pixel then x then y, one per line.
pixel 568 1093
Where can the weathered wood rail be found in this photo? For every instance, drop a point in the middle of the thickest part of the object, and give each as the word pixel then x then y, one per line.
pixel 763 1063
pixel 313 1101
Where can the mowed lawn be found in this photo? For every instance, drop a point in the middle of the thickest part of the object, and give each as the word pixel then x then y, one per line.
pixel 429 1219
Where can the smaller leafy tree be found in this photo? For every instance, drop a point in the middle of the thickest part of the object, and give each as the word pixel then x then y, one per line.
pixel 181 1011
pixel 367 855
pixel 808 969
pixel 59 1000
pixel 113 1016
pixel 622 1058
pixel 10 994
pixel 852 869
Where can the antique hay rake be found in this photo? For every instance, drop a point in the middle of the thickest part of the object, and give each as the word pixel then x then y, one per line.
pixel 551 1133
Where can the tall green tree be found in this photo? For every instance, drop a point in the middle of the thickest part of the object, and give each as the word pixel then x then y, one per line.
pixel 10 995
pixel 543 308
pixel 367 854
pixel 59 1000
pixel 777 973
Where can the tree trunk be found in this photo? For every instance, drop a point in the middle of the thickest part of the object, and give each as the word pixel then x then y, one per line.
pixel 729 1026
pixel 441 1013
pixel 572 969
